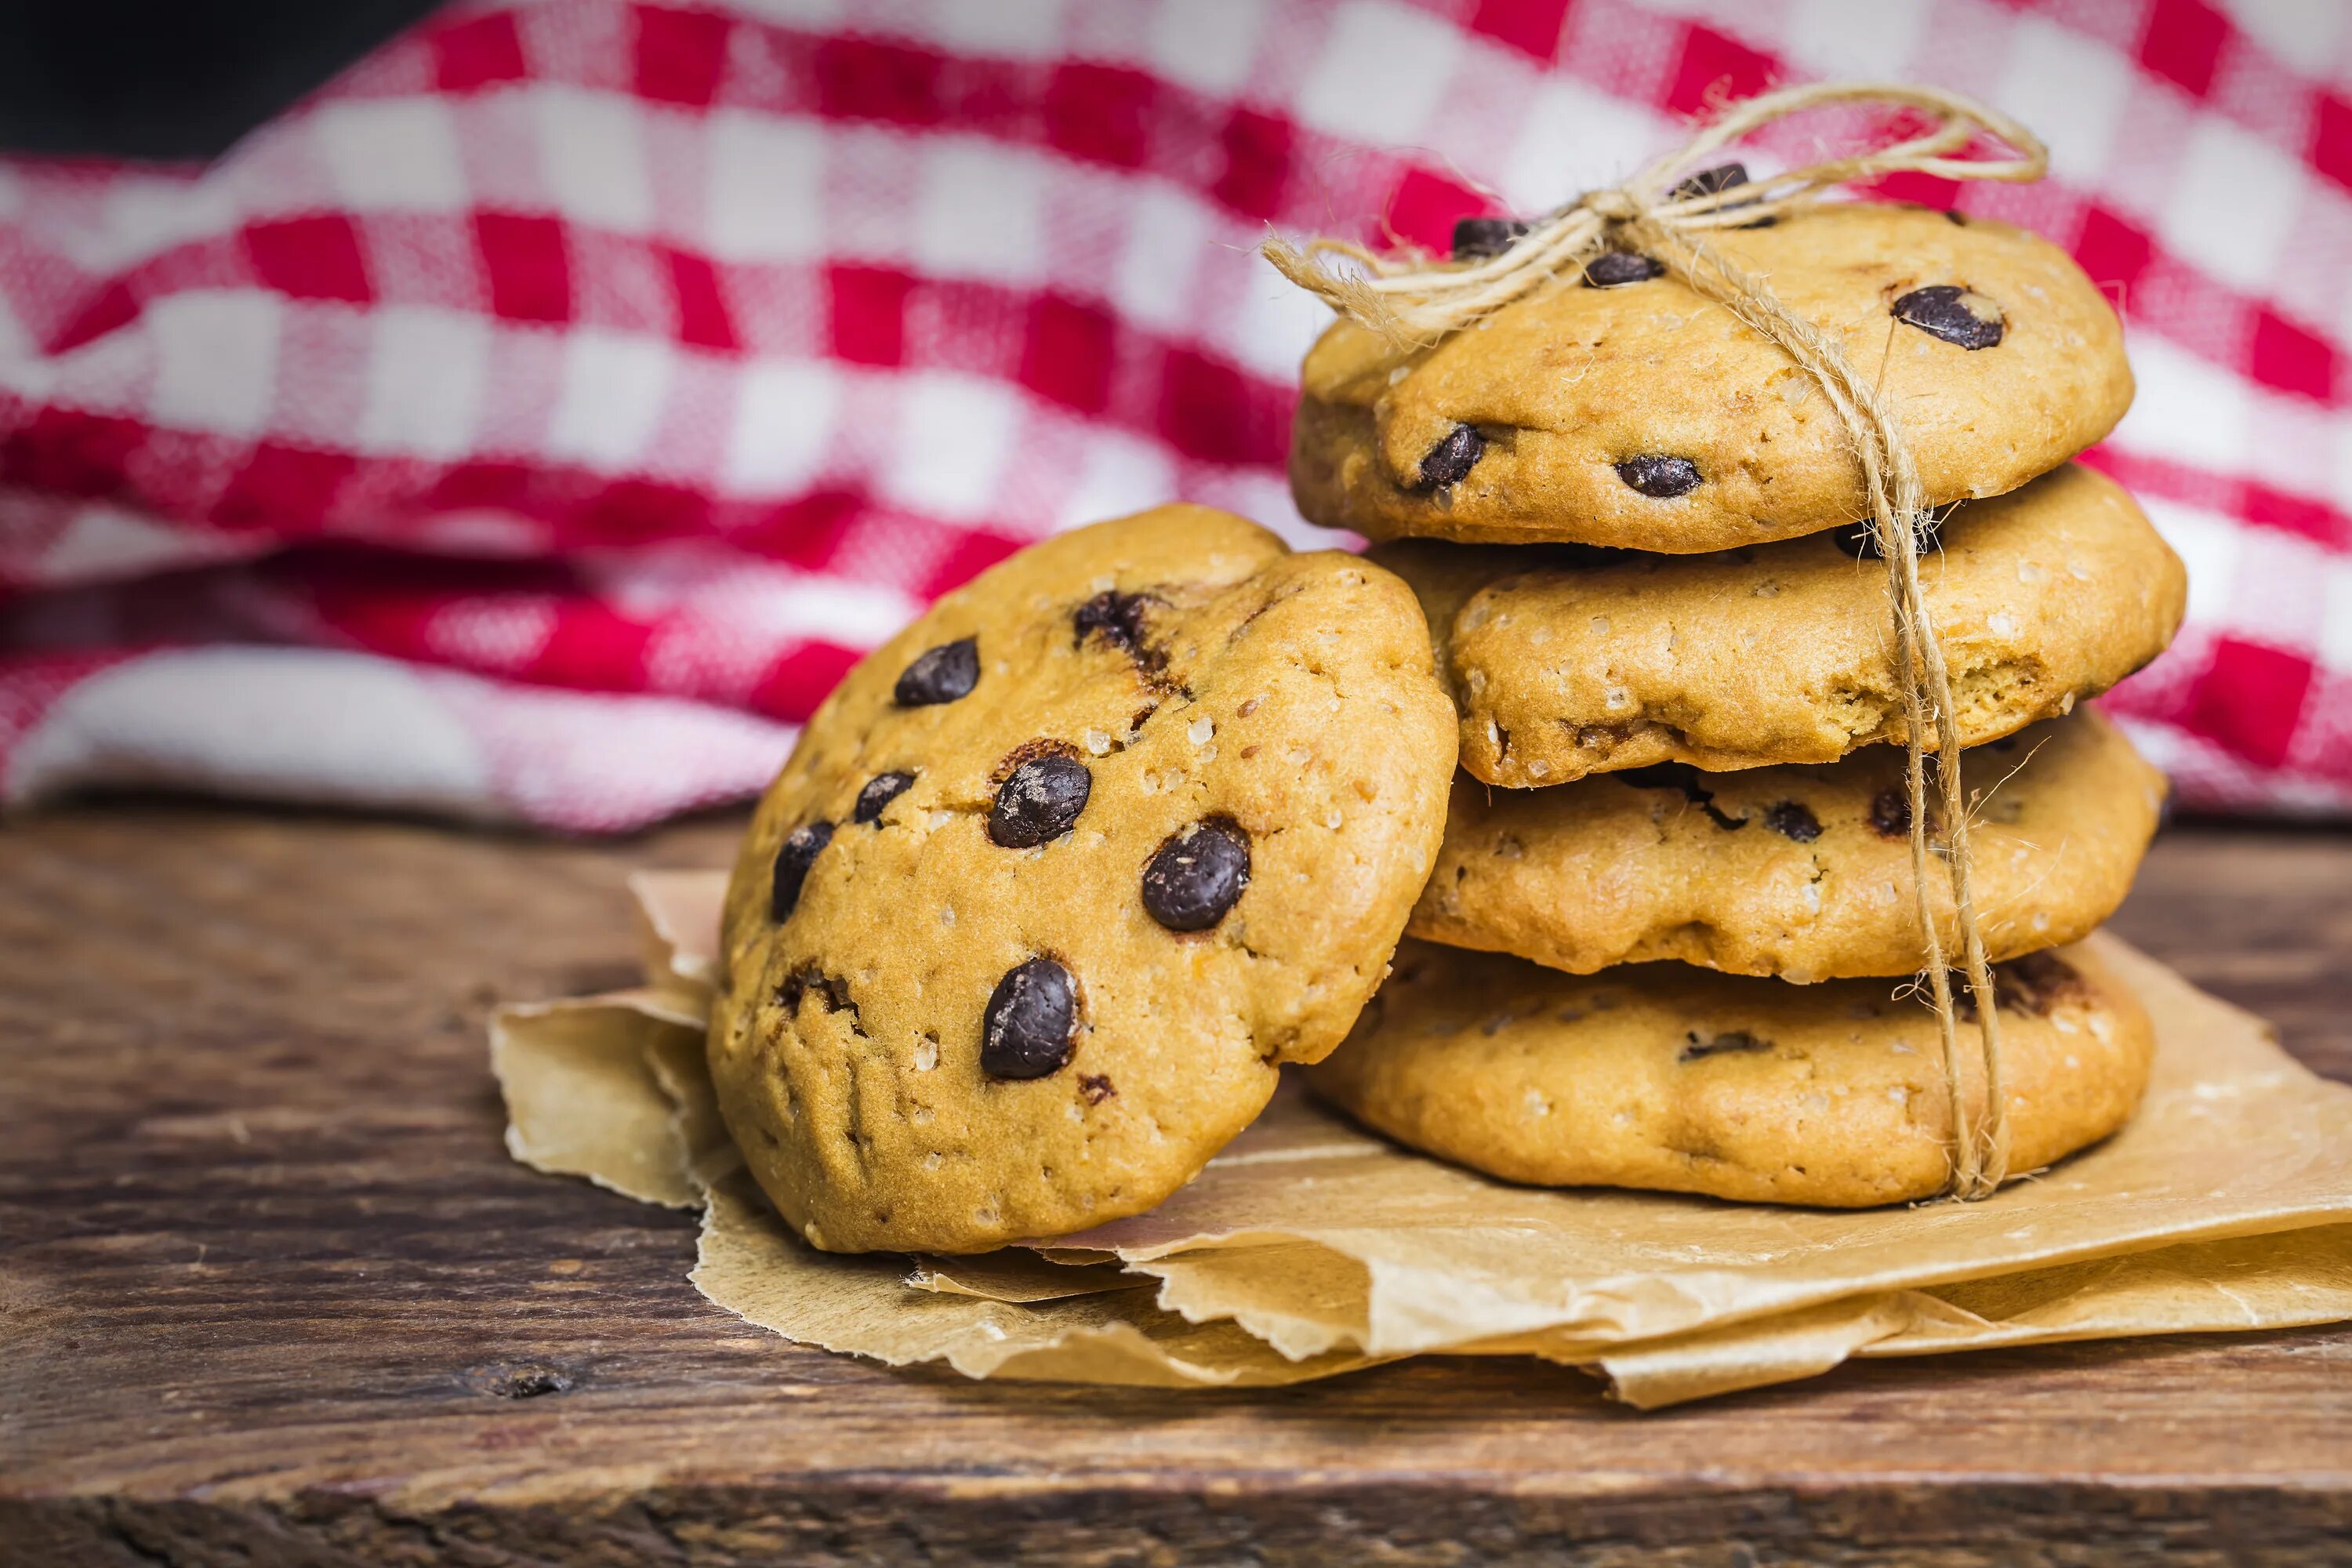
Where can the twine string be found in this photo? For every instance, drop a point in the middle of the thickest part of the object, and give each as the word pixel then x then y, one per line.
pixel 1415 301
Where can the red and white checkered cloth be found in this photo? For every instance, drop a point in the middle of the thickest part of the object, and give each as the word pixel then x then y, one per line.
pixel 536 422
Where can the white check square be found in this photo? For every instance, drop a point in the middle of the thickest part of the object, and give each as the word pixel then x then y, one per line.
pixel 954 435
pixel 426 371
pixel 766 191
pixel 2072 89
pixel 978 210
pixel 785 411
pixel 392 155
pixel 1381 75
pixel 216 359
pixel 614 390
pixel 593 156
pixel 2233 203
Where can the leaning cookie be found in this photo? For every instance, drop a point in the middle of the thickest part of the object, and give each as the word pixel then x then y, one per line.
pixel 1059 875
pixel 1802 872
pixel 1669 1077
pixel 1623 409
pixel 1782 653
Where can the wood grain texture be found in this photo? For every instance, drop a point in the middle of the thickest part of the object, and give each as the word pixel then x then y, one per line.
pixel 274 1294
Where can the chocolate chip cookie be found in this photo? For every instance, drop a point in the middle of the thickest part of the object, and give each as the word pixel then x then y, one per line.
pixel 1564 664
pixel 1059 875
pixel 1666 1077
pixel 1621 409
pixel 1799 871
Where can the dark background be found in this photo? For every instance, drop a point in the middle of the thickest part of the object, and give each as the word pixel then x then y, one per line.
pixel 172 78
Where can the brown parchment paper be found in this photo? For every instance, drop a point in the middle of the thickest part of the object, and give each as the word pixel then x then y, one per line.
pixel 1310 1246
pixel 2274 1281
pixel 1017 1274
pixel 612 1088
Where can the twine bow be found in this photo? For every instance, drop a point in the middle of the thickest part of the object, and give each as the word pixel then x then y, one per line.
pixel 1415 301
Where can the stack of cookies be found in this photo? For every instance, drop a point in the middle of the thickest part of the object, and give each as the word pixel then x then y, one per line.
pixel 1060 875
pixel 1669 938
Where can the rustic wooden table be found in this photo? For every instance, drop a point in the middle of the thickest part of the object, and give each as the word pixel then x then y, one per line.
pixel 273 1293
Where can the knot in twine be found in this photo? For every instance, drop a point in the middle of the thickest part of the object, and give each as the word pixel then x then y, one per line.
pixel 1415 301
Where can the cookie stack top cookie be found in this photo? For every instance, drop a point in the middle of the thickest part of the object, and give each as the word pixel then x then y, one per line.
pixel 1631 509
pixel 1625 409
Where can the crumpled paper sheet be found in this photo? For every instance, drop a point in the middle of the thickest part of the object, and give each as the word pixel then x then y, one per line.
pixel 612 1088
pixel 1311 1248
pixel 2272 1281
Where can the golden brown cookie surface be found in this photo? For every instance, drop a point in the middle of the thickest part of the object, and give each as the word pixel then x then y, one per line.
pixel 1059 874
pixel 1644 416
pixel 1781 653
pixel 1665 1077
pixel 1802 872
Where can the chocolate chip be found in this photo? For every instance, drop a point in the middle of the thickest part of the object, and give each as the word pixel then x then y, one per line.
pixel 1450 461
pixel 2037 982
pixel 1733 1041
pixel 1722 177
pixel 1794 819
pixel 1119 620
pixel 2033 984
pixel 939 675
pixel 1197 875
pixel 1477 239
pixel 879 792
pixel 1038 801
pixel 1683 777
pixel 794 857
pixel 1097 1087
pixel 1890 813
pixel 1662 477
pixel 1707 182
pixel 1954 314
pixel 1616 268
pixel 1860 539
pixel 1031 1025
